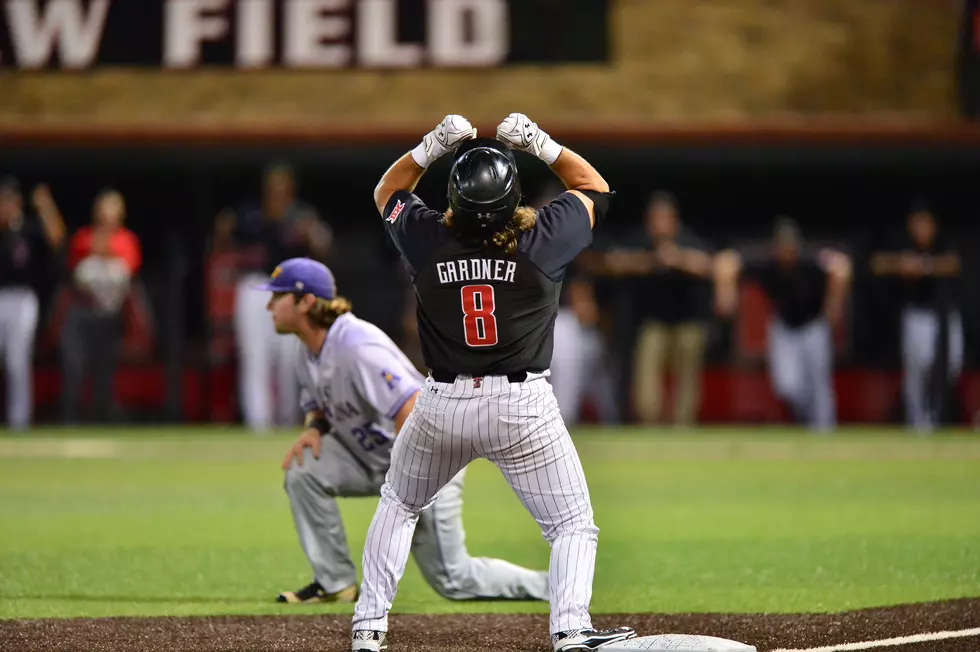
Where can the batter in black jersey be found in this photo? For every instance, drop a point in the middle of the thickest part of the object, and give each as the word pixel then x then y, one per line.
pixel 488 275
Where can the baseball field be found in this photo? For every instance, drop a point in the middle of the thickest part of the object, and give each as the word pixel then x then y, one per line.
pixel 180 539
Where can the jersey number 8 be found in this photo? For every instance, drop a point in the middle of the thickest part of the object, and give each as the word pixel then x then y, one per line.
pixel 479 323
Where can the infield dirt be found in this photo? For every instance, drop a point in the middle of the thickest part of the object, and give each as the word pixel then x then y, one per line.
pixel 478 633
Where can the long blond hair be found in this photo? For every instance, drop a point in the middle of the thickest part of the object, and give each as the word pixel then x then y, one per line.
pixel 524 219
pixel 325 312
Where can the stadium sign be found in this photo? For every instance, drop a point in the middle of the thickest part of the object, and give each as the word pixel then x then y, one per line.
pixel 299 34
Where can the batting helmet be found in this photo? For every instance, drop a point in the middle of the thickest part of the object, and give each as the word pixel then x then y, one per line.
pixel 484 188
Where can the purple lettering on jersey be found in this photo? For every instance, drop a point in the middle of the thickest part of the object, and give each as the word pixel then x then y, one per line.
pixel 347 411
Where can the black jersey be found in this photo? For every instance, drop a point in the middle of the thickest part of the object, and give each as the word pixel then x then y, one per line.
pixel 23 254
pixel 924 291
pixel 797 292
pixel 480 311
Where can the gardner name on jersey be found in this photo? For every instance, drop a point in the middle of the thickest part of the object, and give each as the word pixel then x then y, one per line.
pixel 481 311
pixel 476 269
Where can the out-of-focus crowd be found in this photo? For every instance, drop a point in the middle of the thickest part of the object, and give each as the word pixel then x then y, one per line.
pixel 679 286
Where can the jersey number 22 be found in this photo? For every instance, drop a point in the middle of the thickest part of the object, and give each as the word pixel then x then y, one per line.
pixel 479 323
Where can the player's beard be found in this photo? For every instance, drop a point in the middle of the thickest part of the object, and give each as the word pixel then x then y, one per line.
pixel 283 328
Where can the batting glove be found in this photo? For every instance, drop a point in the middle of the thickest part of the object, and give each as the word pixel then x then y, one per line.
pixel 453 130
pixel 519 132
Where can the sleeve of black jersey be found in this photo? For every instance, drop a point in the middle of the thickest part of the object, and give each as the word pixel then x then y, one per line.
pixel 36 239
pixel 898 242
pixel 690 240
pixel 820 262
pixel 944 246
pixel 240 230
pixel 562 231
pixel 414 228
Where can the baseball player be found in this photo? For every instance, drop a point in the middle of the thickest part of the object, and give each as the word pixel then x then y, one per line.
pixel 26 245
pixel 926 264
pixel 579 367
pixel 487 275
pixel 808 291
pixel 278 226
pixel 354 377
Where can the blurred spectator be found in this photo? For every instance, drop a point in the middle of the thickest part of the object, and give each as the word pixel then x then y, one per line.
pixel 221 279
pixel 927 265
pixel 277 227
pixel 808 292
pixel 579 363
pixel 26 241
pixel 671 268
pixel 102 261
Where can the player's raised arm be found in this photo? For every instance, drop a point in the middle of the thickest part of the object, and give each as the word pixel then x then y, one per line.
pixel 578 175
pixel 727 268
pixel 837 266
pixel 405 173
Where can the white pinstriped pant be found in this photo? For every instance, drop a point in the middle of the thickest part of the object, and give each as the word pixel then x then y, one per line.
pixel 518 427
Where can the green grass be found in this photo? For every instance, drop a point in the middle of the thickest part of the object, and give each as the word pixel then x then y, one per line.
pixel 186 522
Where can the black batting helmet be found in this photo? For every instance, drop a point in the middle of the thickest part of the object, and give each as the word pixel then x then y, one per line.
pixel 484 188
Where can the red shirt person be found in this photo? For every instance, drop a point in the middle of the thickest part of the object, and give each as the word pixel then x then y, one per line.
pixel 103 258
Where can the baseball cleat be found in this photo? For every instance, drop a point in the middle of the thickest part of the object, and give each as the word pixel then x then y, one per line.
pixel 368 640
pixel 587 640
pixel 313 594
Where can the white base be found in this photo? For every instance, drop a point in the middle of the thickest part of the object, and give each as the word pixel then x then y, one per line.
pixel 679 643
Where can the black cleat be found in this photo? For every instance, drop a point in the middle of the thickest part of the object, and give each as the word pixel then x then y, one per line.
pixel 313 593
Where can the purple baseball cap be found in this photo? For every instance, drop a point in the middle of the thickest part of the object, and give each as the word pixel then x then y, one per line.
pixel 304 276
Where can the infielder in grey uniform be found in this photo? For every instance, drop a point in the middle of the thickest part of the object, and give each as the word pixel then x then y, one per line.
pixel 357 389
pixel 808 292
pixel 488 274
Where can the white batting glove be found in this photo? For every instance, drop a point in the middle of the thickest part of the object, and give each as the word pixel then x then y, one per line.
pixel 453 130
pixel 520 133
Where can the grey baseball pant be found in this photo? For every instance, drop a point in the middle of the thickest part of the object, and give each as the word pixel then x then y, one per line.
pixel 438 545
